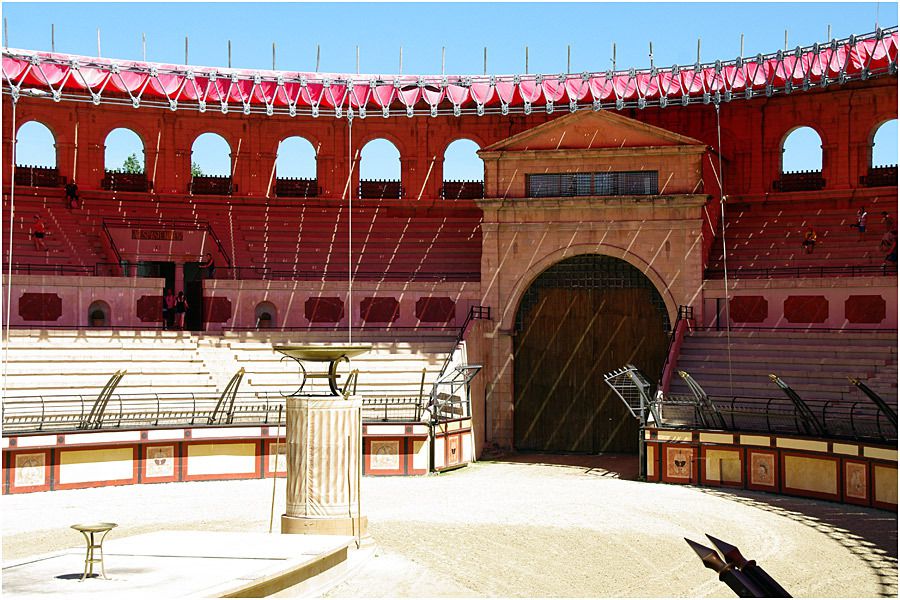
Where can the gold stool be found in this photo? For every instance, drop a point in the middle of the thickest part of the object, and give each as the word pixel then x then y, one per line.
pixel 88 531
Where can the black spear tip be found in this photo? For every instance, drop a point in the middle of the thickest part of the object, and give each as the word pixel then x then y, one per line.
pixel 709 557
pixel 728 551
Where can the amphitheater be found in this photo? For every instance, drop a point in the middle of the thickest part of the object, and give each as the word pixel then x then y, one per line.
pixel 612 341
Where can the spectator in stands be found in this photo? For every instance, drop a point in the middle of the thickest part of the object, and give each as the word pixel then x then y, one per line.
pixel 210 265
pixel 168 309
pixel 888 221
pixel 38 232
pixel 862 218
pixel 72 194
pixel 181 307
pixel 891 249
pixel 809 240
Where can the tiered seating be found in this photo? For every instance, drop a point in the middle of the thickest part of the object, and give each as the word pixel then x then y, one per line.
pixel 80 362
pixel 311 241
pixel 392 369
pixel 73 244
pixel 72 363
pixel 816 365
pixel 277 238
pixel 764 240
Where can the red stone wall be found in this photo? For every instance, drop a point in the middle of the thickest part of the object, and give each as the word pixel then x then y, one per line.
pixel 752 133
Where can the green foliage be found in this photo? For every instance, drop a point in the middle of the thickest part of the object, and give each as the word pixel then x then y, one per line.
pixel 196 171
pixel 132 165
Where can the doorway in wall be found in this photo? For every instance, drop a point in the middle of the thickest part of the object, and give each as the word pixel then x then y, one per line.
pixel 193 292
pixel 579 320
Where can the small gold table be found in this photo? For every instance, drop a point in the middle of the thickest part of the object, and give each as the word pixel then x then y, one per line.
pixel 88 530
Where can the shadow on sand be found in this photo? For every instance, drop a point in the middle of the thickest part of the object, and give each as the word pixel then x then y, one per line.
pixel 868 533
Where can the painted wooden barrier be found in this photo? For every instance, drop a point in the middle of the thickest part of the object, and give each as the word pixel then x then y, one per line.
pixel 841 471
pixel 34 463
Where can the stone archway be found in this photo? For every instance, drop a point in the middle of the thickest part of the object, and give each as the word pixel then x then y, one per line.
pixel 579 319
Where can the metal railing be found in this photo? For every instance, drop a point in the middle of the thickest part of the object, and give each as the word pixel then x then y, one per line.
pixel 475 313
pixel 35 414
pixel 341 275
pixel 804 271
pixel 843 419
pixel 176 224
pixel 683 320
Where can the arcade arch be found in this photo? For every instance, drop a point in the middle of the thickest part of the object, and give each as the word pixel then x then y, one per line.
pixel 461 161
pixel 124 152
pixel 210 156
pixel 801 150
pixel 463 171
pixel 884 145
pixel 380 172
pixel 579 319
pixel 35 146
pixel 296 159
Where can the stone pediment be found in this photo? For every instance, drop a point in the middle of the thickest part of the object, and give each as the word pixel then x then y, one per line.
pixel 589 130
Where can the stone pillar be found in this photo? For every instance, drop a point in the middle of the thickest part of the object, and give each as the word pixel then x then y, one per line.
pixel 324 437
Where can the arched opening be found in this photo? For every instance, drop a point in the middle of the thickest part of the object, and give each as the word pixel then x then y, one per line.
pixel 211 165
pixel 463 171
pixel 36 156
pixel 379 170
pixel 99 314
pixel 883 162
pixel 124 162
pixel 295 169
pixel 801 161
pixel 266 315
pixel 580 319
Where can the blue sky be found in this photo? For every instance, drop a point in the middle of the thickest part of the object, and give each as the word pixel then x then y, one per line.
pixel 422 29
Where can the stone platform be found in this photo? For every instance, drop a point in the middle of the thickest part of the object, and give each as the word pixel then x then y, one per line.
pixel 167 564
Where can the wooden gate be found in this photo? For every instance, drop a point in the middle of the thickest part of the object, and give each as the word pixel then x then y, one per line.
pixel 567 339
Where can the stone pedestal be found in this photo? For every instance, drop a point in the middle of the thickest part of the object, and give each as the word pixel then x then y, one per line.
pixel 324 436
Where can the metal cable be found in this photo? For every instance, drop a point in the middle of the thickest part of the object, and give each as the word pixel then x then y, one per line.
pixel 721 180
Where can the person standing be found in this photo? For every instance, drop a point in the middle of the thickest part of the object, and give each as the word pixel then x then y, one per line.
pixel 181 307
pixel 209 265
pixel 72 194
pixel 862 219
pixel 168 309
pixel 38 233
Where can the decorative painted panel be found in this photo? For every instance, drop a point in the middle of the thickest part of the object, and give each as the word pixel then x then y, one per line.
pixel 326 309
pixel 749 309
pixel 216 309
pixel 35 306
pixel 865 309
pixel 379 310
pixel 806 309
pixel 149 309
pixel 435 309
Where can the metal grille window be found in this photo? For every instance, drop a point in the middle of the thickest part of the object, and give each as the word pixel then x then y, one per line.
pixel 611 183
pixel 591 271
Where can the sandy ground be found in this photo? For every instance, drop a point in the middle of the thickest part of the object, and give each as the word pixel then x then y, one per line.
pixel 513 529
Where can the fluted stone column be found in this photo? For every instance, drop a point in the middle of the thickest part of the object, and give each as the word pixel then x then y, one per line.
pixel 324 436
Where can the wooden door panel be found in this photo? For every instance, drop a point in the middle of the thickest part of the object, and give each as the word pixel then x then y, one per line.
pixel 569 339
